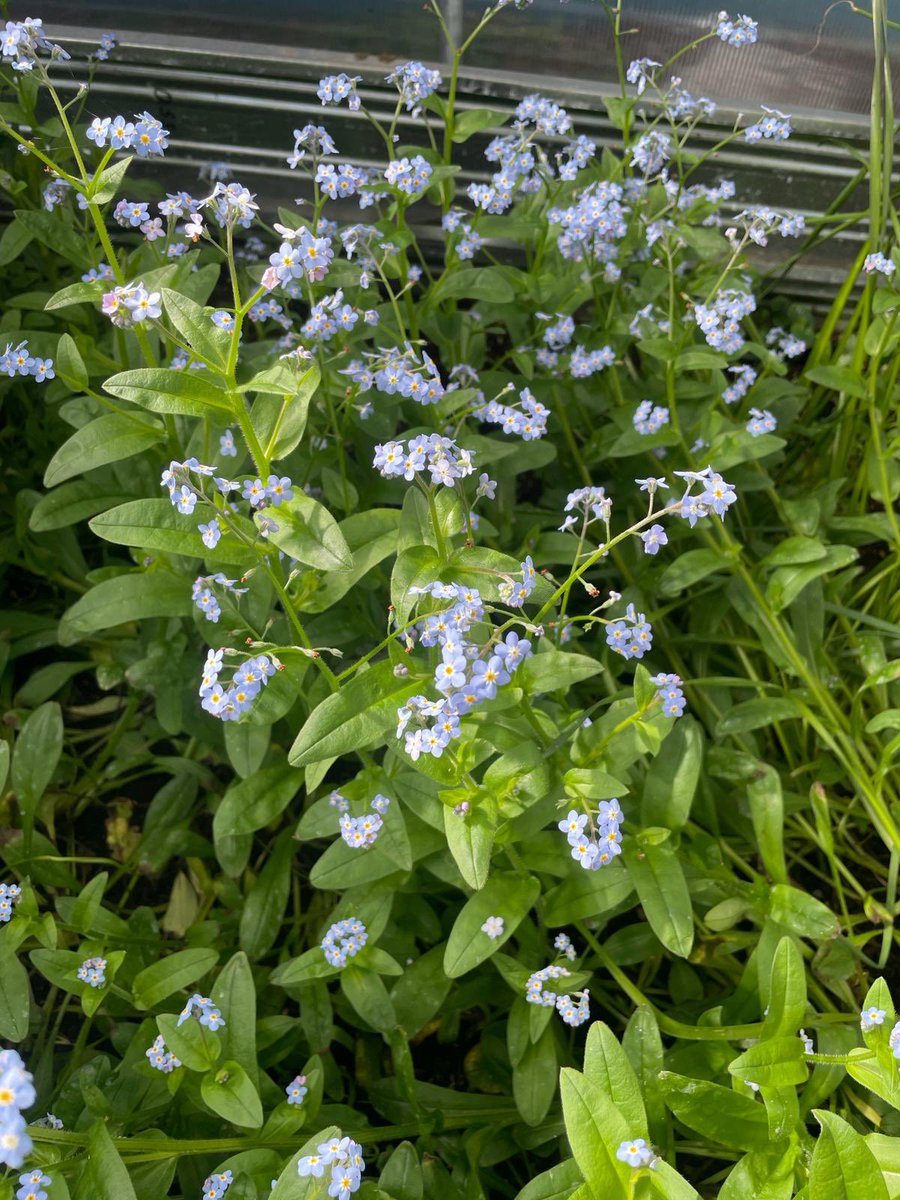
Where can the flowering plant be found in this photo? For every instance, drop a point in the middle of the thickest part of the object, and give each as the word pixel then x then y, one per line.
pixel 448 637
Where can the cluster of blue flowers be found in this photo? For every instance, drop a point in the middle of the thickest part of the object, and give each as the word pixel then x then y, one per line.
pixel 108 41
pixel 761 421
pixel 416 83
pixel 740 32
pixel 32 1185
pixel 528 420
pixel 760 222
pixel 215 1186
pixel 878 262
pixel 205 598
pixel 204 1010
pixel 344 940
pixel 584 363
pixel 744 379
pixel 130 304
pixel 593 223
pixel 10 895
pixel 144 135
pixel 17 360
pixel 631 636
pixel 469 240
pixel 433 452
pixel 649 417
pixel 360 832
pixel 594 842
pixel 344 1157
pixel 296 1090
pixel 22 41
pixel 310 256
pixel 670 693
pixel 160 1058
pixel 341 182
pixel 16 1092
pixel 574 1013
pixel 774 126
pixel 229 702
pixel 592 503
pixel 651 152
pixel 409 176
pixel 720 321
pixel 93 972
pixel 784 345
pixel 335 88
pixel 467 674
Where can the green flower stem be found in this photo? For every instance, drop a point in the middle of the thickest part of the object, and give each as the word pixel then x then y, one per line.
pixel 152 1149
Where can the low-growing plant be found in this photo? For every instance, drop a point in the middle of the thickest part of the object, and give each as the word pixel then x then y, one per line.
pixel 472 670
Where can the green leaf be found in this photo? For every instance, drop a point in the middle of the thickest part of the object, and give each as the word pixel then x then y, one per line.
pixel 159 389
pixel 308 532
pixel 534 1078
pixel 234 992
pixel 280 410
pixel 132 597
pixel 767 814
pixel 843 1167
pixel 13 241
pixel 589 894
pixel 802 913
pixel 762 1175
pixel 157 525
pixel 401 1177
pixel 690 568
pixel 36 754
pixel 606 1066
pixel 420 991
pixel 69 365
pixel 172 973
pixel 719 1114
pixel 786 583
pixel 595 1129
pixel 839 379
pixel 55 232
pixel 476 283
pixel 15 998
pixel 672 777
pixel 369 997
pixel 757 714
pixel 775 1063
pixel 229 1092
pixel 265 904
pixel 558 1183
pixel 104 188
pixel 76 293
pixel 253 803
pixel 69 504
pixel 507 894
pixel 658 876
pixel 356 717
pixel 470 839
pixel 289 1185
pixel 554 669
pixel 197 1047
pixel 371 537
pixel 106 439
pixel 473 120
pixel 194 324
pixel 109 1177
pixel 785 996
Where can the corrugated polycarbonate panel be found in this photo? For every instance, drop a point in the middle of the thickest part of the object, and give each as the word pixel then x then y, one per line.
pixel 226 92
